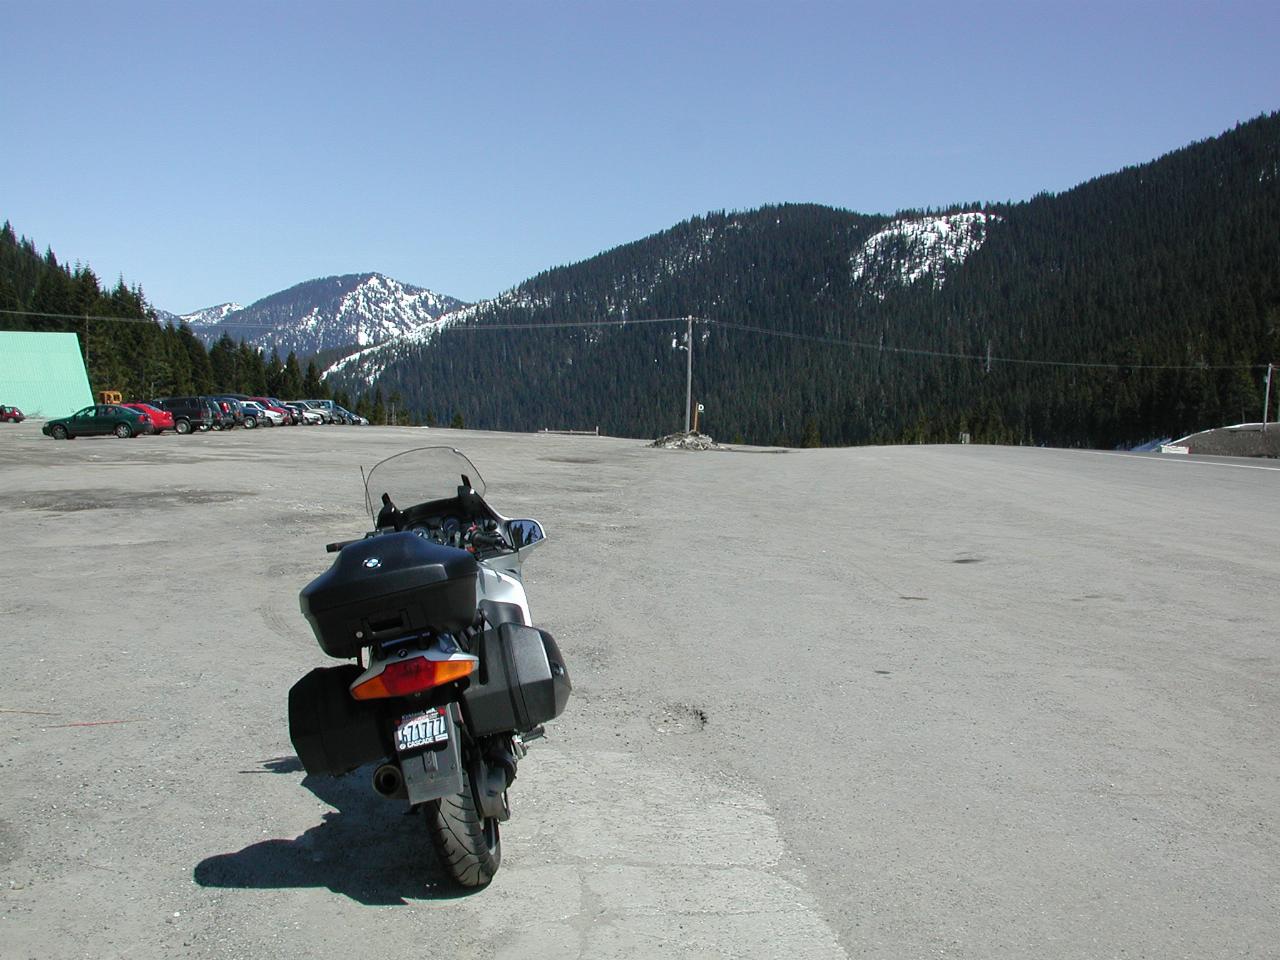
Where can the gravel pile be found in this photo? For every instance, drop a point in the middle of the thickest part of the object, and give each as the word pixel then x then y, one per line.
pixel 686 441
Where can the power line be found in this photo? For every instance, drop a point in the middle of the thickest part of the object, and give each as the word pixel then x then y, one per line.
pixel 154 323
pixel 460 328
pixel 450 327
pixel 79 316
pixel 987 358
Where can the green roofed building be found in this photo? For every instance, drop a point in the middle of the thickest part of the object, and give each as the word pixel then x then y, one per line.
pixel 42 374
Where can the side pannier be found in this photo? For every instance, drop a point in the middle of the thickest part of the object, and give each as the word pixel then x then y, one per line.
pixel 522 681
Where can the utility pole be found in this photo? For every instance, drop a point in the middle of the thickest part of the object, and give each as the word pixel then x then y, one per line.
pixel 688 383
pixel 1266 395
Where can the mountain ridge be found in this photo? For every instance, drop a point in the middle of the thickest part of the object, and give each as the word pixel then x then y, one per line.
pixel 1076 297
pixel 325 313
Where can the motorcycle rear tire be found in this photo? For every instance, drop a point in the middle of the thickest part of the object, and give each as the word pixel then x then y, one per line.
pixel 469 845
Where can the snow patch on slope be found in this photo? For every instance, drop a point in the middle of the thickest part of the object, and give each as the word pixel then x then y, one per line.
pixel 368 364
pixel 210 315
pixel 907 251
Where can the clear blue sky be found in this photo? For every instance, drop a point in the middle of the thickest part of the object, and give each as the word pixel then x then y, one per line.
pixel 226 150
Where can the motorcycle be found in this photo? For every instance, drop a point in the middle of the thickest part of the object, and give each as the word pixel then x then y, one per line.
pixel 451 679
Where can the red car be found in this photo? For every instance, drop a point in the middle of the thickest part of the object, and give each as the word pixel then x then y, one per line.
pixel 11 414
pixel 161 420
pixel 271 403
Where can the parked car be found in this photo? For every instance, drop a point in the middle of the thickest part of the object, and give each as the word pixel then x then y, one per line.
pixel 100 419
pixel 237 410
pixel 11 414
pixel 306 416
pixel 223 419
pixel 189 413
pixel 237 407
pixel 322 407
pixel 243 398
pixel 290 417
pixel 268 403
pixel 161 420
pixel 244 416
pixel 346 416
pixel 260 414
pixel 228 413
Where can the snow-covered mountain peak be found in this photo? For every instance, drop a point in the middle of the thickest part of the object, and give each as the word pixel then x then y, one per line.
pixel 210 315
pixel 359 309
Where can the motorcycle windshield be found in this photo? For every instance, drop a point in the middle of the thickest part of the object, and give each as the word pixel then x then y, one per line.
pixel 418 475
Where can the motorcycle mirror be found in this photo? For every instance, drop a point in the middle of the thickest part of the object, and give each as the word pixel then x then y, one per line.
pixel 525 533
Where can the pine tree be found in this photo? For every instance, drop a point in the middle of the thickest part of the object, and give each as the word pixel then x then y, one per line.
pixel 291 381
pixel 811 436
pixel 224 365
pixel 275 376
pixel 312 386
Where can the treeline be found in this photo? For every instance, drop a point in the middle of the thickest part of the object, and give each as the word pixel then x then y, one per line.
pixel 1141 305
pixel 126 350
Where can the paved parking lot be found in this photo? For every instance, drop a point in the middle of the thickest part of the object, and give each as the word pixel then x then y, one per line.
pixel 877 702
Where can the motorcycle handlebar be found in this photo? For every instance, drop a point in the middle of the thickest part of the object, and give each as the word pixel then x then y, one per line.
pixel 488 539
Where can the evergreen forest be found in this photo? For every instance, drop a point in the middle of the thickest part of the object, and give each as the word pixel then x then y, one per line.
pixel 1141 305
pixel 125 349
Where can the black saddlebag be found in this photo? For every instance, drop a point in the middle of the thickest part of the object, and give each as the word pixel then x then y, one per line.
pixel 331 732
pixel 387 586
pixel 523 681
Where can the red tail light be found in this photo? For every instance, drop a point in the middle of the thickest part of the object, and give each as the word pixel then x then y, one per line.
pixel 413 674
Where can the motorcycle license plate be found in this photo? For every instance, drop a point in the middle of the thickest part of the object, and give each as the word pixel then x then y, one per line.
pixel 421 730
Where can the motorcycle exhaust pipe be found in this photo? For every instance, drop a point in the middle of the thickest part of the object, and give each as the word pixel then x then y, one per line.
pixel 389 782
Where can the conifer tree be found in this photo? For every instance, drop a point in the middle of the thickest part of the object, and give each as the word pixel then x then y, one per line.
pixel 224 365
pixel 312 386
pixel 291 382
pixel 275 376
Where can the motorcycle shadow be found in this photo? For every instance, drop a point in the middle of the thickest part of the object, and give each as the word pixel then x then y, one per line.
pixel 367 849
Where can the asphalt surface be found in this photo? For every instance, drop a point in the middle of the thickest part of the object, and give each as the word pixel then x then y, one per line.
pixel 879 702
